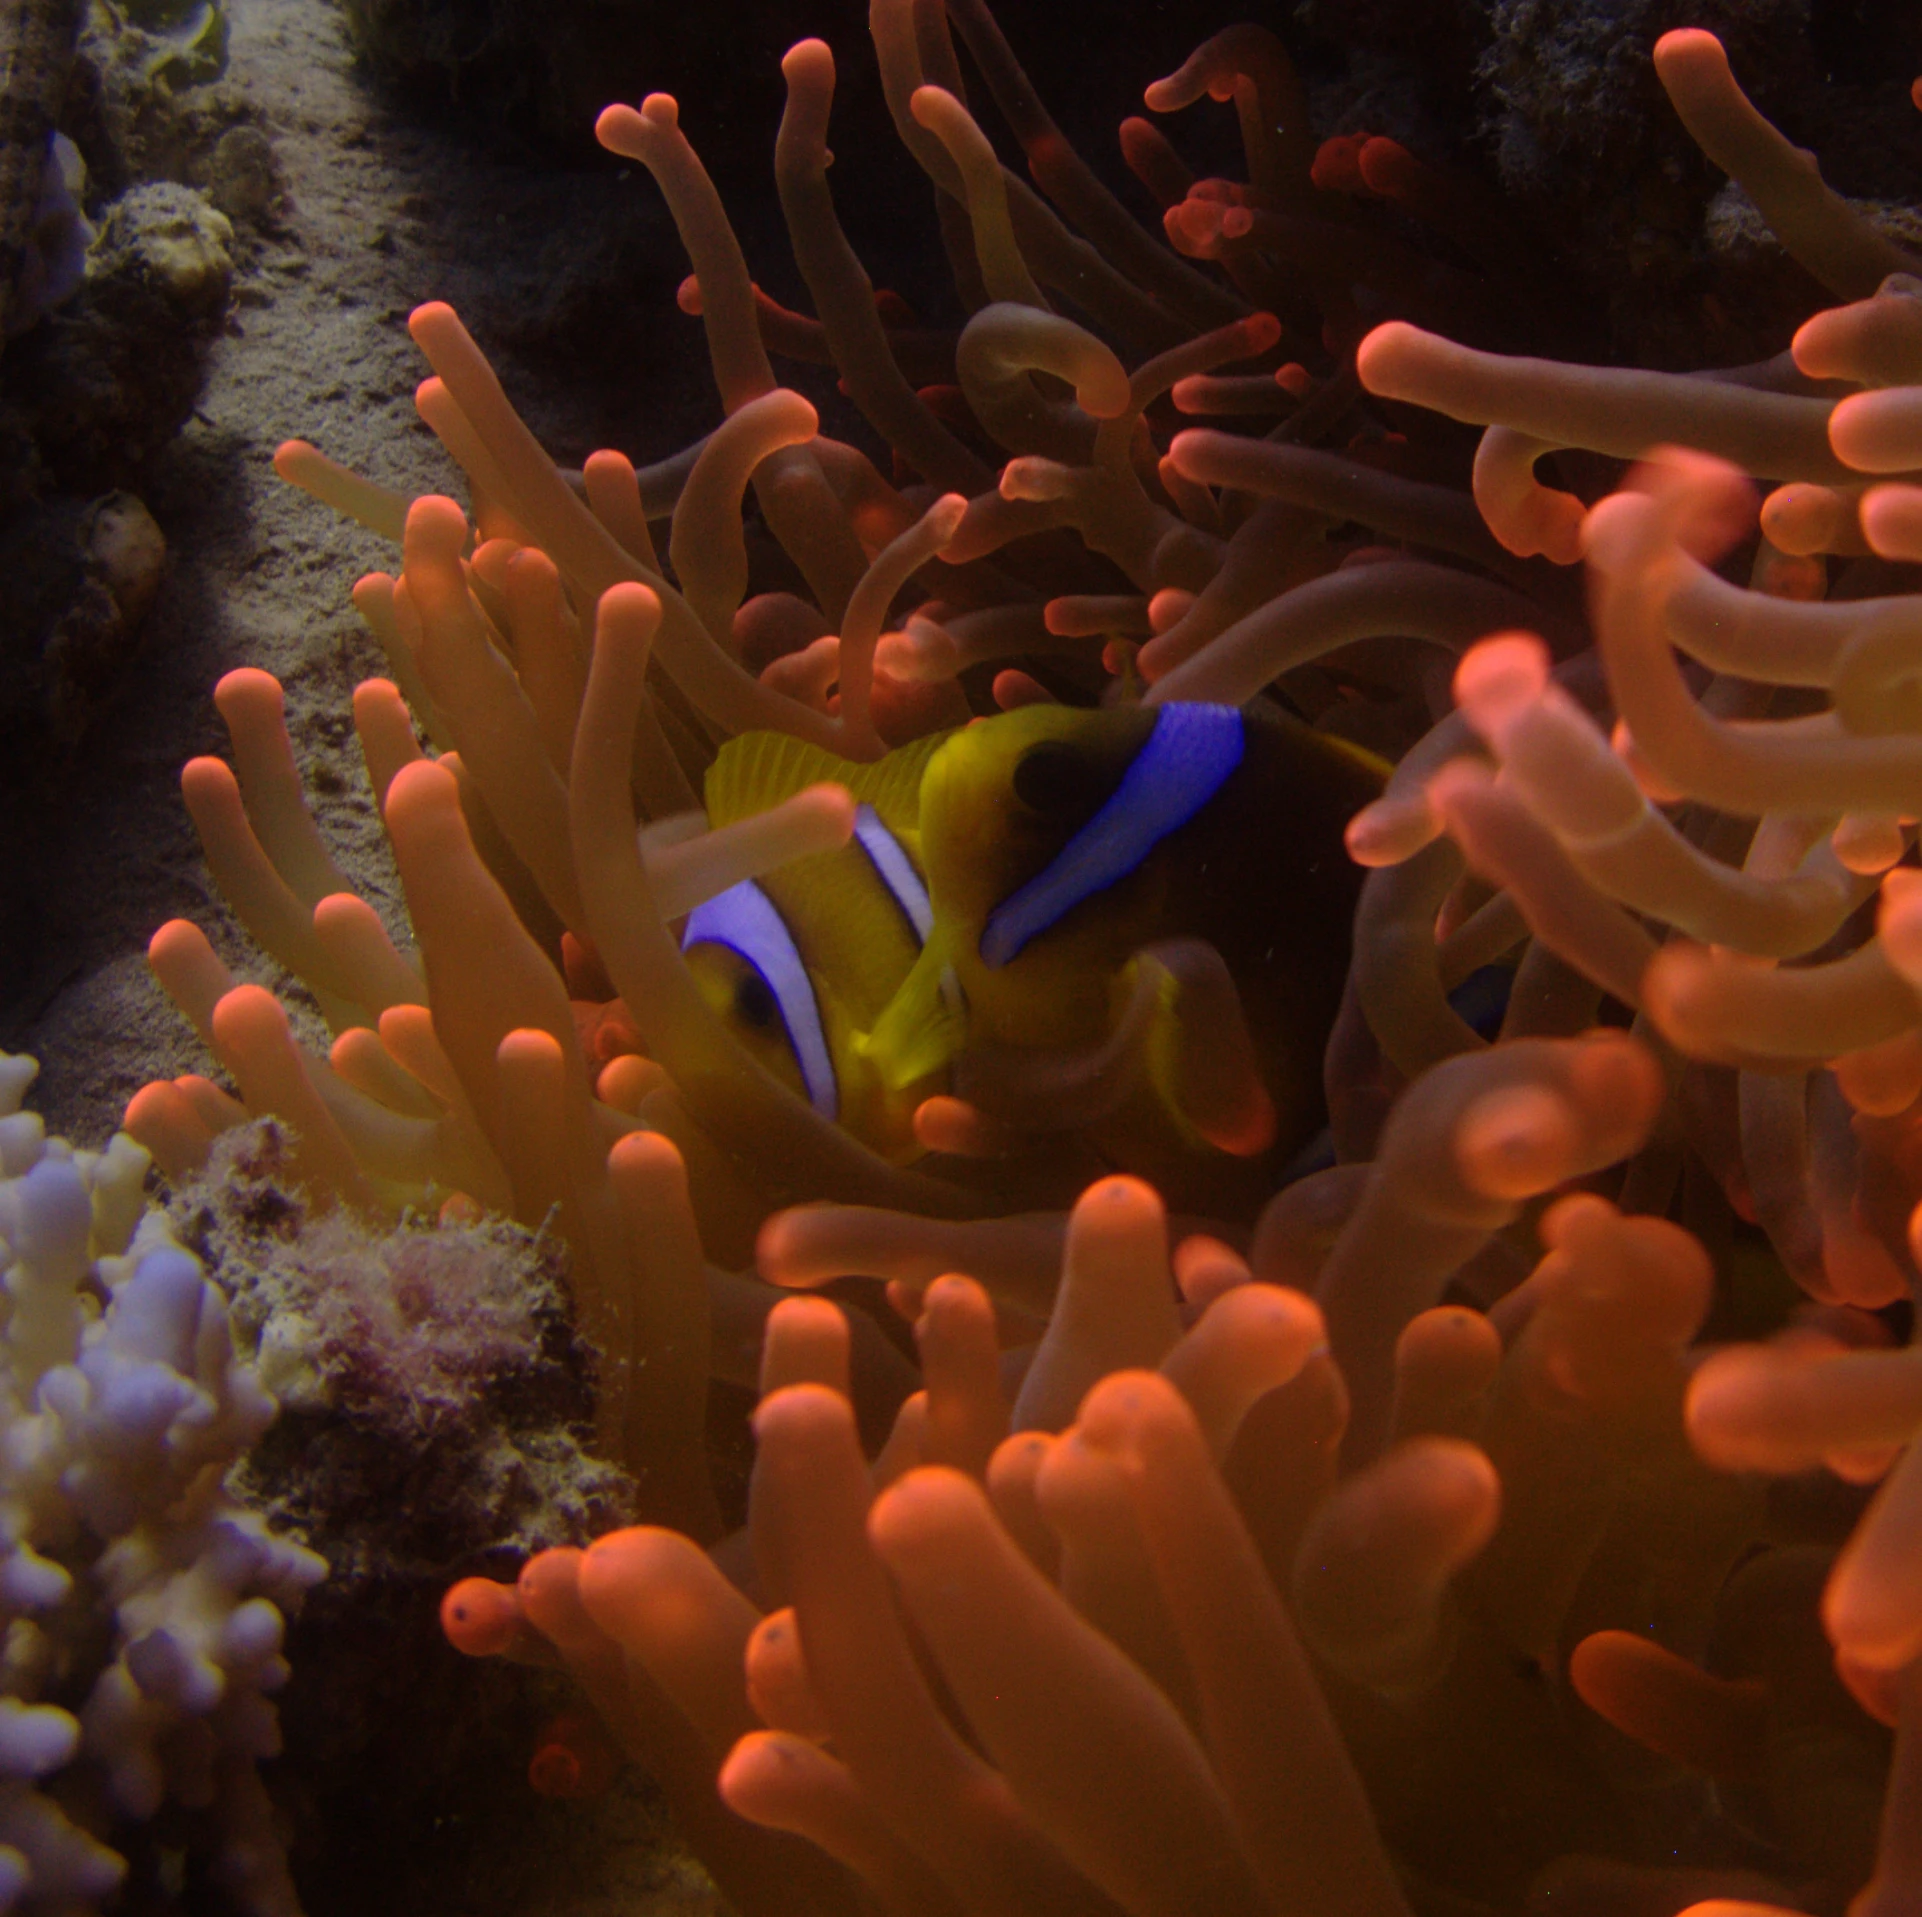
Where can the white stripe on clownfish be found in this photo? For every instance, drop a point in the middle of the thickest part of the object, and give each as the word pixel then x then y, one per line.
pixel 746 921
pixel 896 870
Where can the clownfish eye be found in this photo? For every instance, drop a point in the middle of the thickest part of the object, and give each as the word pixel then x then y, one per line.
pixel 754 1003
pixel 1055 777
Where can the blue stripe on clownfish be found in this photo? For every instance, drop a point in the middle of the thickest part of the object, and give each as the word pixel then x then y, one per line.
pixel 1188 758
pixel 744 919
pixel 896 871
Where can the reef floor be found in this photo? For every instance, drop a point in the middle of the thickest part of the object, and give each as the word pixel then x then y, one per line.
pixel 569 276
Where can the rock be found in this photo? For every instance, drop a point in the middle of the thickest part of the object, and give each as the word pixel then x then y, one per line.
pixel 436 1408
pixel 126 551
pixel 82 578
pixel 244 179
pixel 165 242
pixel 103 384
pixel 1554 104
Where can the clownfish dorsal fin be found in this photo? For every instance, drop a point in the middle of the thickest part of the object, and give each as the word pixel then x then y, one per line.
pixel 922 1027
pixel 757 770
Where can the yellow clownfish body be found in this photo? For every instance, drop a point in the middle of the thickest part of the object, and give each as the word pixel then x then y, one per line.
pixel 1059 842
pixel 801 962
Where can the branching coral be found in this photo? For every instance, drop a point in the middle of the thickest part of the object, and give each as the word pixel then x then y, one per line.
pixel 136 1590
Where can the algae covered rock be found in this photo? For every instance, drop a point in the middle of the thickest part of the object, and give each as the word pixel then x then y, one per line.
pixel 93 393
pixel 166 244
pixel 435 1399
pixel 106 382
pixel 436 1407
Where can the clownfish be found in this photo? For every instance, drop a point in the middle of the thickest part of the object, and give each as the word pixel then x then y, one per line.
pixel 1058 842
pixel 801 962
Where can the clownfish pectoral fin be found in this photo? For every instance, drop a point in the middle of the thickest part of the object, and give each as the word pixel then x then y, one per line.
pixel 1201 1054
pixel 922 1027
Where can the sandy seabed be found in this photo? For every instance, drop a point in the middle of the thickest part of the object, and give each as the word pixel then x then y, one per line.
pixel 566 276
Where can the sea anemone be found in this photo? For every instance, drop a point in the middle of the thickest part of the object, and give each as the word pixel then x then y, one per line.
pixel 1318 1549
